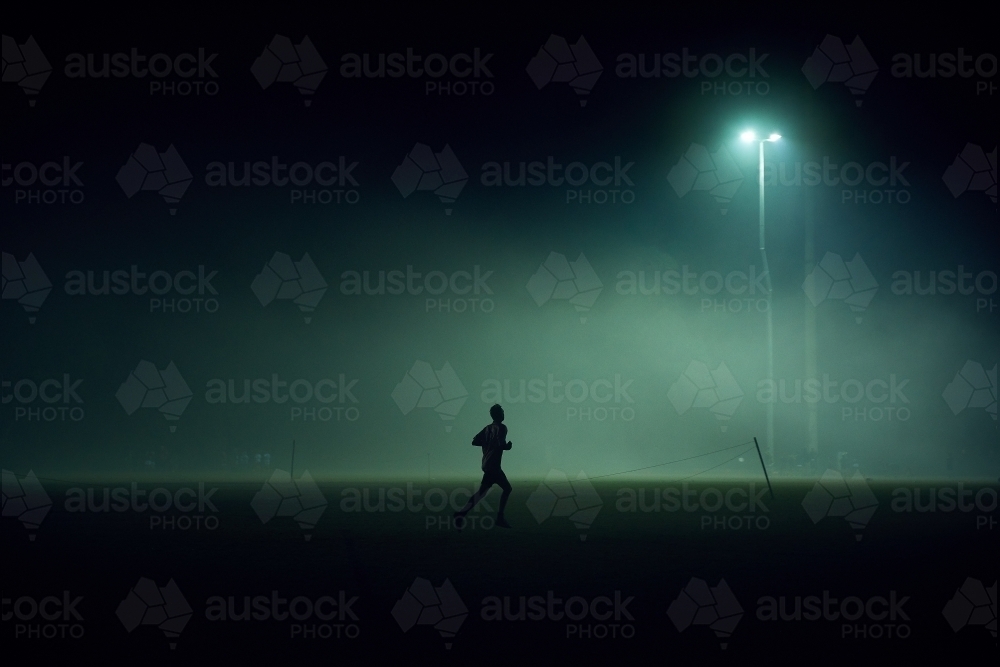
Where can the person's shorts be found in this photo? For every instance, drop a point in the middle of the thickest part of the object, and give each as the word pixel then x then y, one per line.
pixel 491 477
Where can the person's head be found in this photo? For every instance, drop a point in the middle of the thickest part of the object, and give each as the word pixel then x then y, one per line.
pixel 496 412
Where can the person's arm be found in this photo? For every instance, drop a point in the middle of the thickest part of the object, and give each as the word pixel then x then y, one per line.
pixel 508 445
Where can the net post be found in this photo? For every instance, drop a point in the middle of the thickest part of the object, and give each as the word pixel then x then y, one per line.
pixel 763 467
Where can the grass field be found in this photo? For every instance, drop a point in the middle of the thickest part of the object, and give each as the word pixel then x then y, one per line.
pixel 770 549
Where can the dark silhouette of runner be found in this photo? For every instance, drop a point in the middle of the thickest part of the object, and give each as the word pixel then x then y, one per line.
pixel 493 440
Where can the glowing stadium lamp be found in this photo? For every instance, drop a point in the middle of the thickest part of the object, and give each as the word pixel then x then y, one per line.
pixel 750 136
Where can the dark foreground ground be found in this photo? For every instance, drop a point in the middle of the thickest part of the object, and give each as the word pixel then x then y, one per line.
pixel 889 594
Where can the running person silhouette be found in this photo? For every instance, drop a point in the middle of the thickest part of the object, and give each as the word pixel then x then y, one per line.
pixel 493 440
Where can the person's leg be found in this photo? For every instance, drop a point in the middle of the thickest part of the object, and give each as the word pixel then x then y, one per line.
pixel 484 488
pixel 506 489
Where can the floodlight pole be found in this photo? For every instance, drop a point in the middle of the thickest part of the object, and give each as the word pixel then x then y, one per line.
pixel 769 445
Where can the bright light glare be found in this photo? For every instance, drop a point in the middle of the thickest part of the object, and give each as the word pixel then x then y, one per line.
pixel 748 136
pixel 774 136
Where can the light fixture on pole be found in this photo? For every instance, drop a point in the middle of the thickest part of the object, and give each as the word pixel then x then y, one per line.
pixel 749 136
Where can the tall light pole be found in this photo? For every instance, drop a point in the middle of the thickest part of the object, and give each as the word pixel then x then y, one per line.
pixel 751 136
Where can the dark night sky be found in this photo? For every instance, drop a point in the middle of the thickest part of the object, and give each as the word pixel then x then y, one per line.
pixel 510 231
